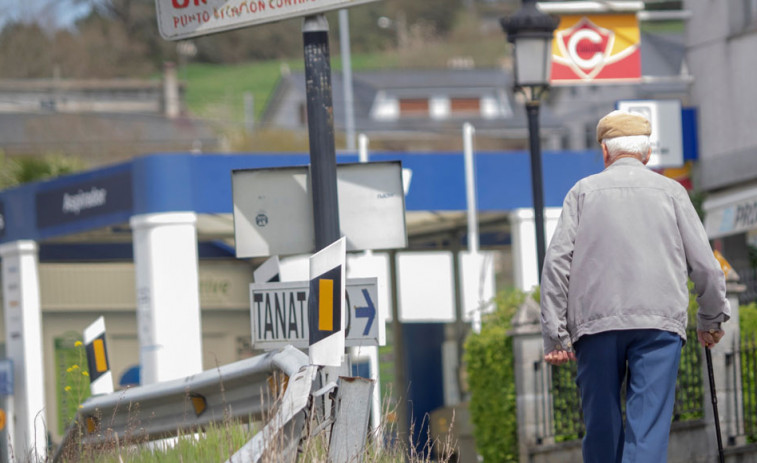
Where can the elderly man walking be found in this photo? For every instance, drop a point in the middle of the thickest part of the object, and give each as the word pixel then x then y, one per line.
pixel 614 294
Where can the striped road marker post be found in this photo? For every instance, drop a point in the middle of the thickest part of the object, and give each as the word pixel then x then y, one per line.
pixel 100 377
pixel 326 305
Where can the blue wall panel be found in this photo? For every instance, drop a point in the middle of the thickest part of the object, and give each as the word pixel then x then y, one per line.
pixel 202 183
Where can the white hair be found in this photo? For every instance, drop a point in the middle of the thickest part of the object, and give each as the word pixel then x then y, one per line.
pixel 636 145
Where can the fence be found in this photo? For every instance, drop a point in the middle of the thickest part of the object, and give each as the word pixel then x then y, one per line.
pixel 565 422
pixel 566 401
pixel 549 412
pixel 747 354
pixel 748 277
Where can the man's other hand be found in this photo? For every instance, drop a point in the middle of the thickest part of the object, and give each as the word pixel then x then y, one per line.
pixel 558 357
pixel 709 338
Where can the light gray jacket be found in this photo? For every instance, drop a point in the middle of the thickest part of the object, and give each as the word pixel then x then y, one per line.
pixel 626 243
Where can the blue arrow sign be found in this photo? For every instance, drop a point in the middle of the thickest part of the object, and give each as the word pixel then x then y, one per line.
pixel 366 312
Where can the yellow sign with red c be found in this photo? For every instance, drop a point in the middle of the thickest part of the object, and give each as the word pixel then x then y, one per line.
pixel 599 47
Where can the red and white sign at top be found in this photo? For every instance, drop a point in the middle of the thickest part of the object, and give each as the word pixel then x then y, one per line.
pixel 585 51
pixel 596 41
pixel 182 19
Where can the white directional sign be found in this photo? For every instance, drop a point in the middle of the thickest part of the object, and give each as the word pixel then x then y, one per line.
pixel 181 19
pixel 279 313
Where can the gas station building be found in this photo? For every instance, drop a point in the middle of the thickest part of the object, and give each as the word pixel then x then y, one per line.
pixel 148 244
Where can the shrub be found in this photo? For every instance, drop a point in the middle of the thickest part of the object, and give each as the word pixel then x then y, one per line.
pixel 491 378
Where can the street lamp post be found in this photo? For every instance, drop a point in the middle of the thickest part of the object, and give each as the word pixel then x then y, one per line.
pixel 531 31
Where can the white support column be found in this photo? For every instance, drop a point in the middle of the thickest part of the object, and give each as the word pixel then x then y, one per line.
pixel 168 296
pixel 23 343
pixel 523 245
pixel 532 379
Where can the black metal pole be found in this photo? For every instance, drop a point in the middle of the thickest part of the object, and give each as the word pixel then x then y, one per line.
pixel 320 110
pixel 714 397
pixel 532 108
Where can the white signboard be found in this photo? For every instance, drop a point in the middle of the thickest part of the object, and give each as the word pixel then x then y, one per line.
pixel 181 19
pixel 279 313
pixel 427 286
pixel 273 209
pixel 730 213
pixel 667 133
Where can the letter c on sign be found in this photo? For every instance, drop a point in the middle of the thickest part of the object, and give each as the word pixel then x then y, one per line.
pixel 589 35
pixel 180 3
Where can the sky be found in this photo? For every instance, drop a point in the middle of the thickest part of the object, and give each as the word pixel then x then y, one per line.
pixel 50 13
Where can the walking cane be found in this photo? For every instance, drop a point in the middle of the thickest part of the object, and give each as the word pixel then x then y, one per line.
pixel 714 395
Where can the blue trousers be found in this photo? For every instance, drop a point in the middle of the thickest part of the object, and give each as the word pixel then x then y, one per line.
pixel 651 358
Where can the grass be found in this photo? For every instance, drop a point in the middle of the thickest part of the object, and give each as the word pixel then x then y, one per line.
pixel 216 92
pixel 219 441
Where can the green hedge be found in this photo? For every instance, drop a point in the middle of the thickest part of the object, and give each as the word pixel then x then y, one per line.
pixel 747 319
pixel 491 380
pixel 748 326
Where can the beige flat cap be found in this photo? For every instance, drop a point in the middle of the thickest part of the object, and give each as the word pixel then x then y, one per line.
pixel 622 124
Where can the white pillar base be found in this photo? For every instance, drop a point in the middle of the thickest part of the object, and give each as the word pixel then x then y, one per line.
pixel 26 421
pixel 168 296
pixel 523 229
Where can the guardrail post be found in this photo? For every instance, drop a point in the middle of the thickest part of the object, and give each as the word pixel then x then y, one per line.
pixel 726 366
pixel 353 410
pixel 533 396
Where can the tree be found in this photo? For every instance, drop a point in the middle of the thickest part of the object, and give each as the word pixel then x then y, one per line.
pixel 24 51
pixel 24 169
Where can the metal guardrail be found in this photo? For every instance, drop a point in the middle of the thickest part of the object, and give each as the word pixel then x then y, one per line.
pixel 281 434
pixel 239 390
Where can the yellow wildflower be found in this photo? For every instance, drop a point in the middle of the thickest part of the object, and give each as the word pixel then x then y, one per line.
pixel 77 343
pixel 85 373
pixel 67 388
pixel 74 367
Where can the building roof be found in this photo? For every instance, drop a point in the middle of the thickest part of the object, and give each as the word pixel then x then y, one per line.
pixel 409 83
pixel 101 137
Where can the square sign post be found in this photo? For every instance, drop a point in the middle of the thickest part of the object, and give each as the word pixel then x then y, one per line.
pixel 182 19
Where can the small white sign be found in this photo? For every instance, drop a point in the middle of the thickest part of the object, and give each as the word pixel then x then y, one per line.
pixel 667 132
pixel 181 19
pixel 279 313
pixel 273 209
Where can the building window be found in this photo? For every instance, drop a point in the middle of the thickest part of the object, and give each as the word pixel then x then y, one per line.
pixel 465 106
pixel 414 107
